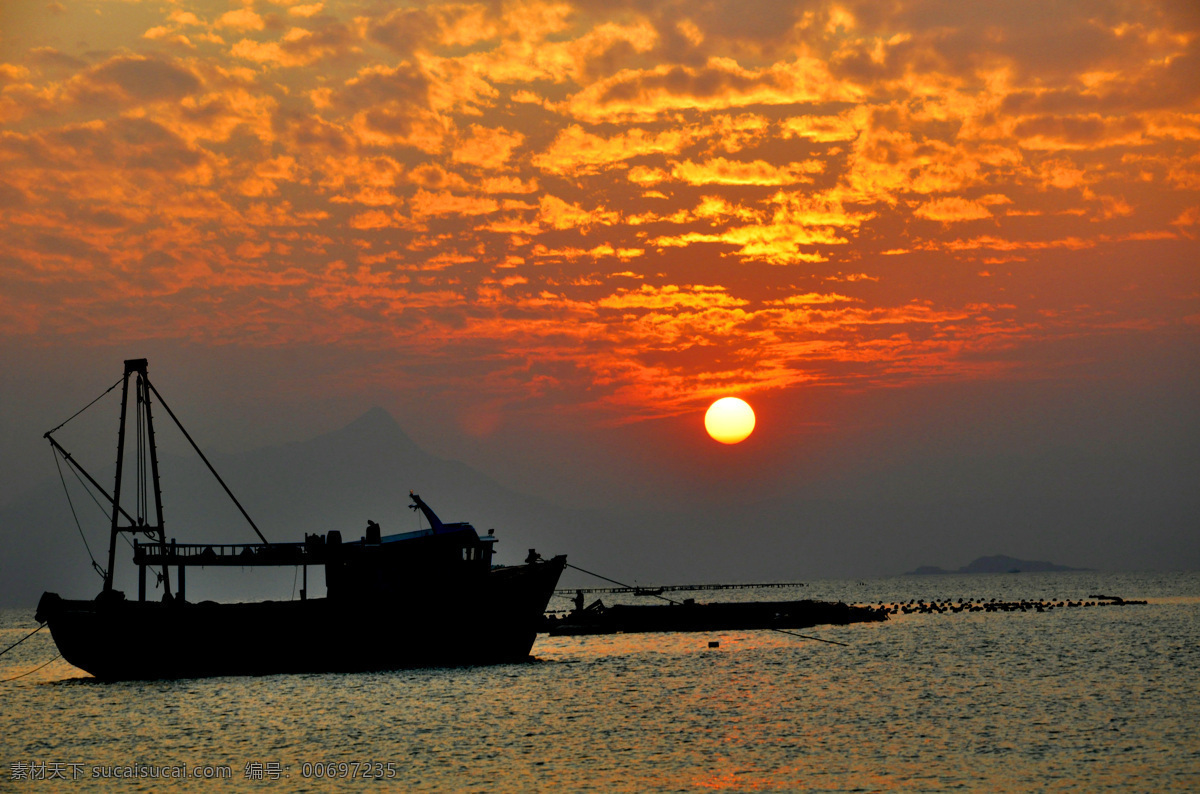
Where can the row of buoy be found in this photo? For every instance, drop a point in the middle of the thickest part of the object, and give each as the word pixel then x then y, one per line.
pixel 936 606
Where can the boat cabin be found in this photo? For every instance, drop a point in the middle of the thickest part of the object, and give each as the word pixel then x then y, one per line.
pixel 375 565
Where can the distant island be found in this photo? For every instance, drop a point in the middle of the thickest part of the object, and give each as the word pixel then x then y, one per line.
pixel 996 564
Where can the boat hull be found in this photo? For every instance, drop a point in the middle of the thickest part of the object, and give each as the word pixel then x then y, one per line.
pixel 493 623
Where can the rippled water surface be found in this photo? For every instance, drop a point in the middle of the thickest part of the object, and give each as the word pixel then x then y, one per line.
pixel 1086 699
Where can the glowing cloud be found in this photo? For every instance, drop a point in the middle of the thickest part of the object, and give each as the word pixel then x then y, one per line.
pixel 654 200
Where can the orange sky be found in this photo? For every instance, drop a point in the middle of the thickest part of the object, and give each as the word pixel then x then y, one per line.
pixel 603 210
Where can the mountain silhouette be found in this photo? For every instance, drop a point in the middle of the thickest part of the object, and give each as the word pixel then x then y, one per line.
pixel 996 563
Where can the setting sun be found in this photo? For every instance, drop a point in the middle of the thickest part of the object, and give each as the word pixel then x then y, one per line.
pixel 729 420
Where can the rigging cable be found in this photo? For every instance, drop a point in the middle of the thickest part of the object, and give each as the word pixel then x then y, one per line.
pixel 141 465
pixel 89 405
pixel 86 490
pixel 95 564
pixel 200 452
pixel 140 456
pixel 95 501
pixel 673 601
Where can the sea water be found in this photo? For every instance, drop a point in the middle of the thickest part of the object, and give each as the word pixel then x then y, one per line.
pixel 1101 698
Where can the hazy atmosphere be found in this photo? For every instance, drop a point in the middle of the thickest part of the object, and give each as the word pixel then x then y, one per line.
pixel 507 254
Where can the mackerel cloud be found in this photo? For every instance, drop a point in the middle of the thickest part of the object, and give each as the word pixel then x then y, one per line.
pixel 636 205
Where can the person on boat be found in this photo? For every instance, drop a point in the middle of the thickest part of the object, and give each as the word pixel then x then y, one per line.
pixel 578 600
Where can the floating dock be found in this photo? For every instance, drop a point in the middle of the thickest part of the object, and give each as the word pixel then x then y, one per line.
pixel 675 588
pixel 691 616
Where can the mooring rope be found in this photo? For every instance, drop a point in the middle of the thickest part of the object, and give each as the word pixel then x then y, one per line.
pixel 57 656
pixel 18 642
pixel 673 601
pixel 31 672
pixel 622 584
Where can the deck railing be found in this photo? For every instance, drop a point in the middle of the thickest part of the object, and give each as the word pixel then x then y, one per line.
pixel 229 553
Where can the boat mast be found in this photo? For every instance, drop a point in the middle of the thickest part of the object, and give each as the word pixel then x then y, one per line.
pixel 143 383
pixel 116 511
pixel 134 366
